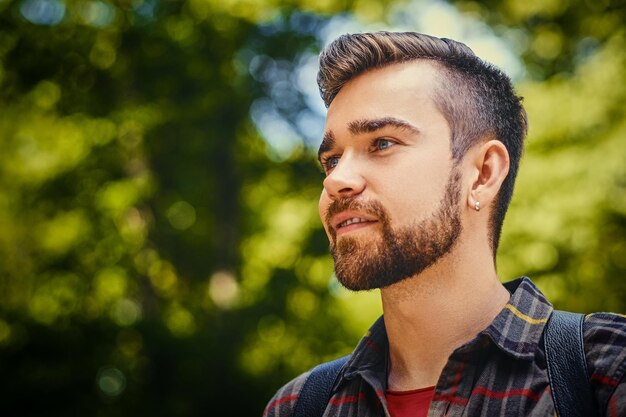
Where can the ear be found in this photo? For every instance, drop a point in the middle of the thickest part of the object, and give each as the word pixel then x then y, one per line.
pixel 489 166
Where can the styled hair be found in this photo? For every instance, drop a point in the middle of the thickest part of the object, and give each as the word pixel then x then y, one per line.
pixel 476 98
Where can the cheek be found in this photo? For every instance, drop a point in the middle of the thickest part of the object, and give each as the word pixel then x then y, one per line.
pixel 415 194
pixel 323 206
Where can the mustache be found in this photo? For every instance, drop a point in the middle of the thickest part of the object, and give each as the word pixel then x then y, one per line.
pixel 370 207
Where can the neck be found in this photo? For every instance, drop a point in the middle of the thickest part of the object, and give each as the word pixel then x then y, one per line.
pixel 431 314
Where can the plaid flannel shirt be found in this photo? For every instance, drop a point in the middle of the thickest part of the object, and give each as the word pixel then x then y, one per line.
pixel 501 372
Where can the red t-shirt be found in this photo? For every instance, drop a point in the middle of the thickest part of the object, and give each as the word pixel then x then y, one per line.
pixel 412 403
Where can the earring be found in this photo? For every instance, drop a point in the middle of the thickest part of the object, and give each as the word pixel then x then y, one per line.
pixel 477 205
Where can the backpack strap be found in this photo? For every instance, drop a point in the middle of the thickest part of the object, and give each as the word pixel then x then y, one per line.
pixel 317 388
pixel 567 365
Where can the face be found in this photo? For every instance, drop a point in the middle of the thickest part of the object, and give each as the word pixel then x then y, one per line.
pixel 390 203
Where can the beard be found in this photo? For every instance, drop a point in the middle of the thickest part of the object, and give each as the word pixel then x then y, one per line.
pixel 401 253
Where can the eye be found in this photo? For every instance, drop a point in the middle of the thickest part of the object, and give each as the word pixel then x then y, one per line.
pixel 329 162
pixel 382 144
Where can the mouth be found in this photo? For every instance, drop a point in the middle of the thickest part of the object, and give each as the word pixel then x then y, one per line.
pixel 347 222
pixel 353 220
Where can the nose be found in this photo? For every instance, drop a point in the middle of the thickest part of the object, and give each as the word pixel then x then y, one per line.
pixel 344 180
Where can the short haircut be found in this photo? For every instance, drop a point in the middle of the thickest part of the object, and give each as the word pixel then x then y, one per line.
pixel 476 98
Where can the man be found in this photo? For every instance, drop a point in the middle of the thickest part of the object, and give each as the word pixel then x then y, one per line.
pixel 421 148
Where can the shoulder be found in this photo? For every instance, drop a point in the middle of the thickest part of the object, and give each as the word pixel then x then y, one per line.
pixel 284 401
pixel 605 342
pixel 605 348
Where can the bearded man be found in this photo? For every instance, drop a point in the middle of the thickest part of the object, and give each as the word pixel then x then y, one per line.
pixel 421 149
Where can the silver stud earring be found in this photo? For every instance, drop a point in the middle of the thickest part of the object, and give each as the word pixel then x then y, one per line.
pixel 477 205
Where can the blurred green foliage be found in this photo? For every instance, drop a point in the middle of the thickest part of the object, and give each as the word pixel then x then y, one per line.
pixel 160 250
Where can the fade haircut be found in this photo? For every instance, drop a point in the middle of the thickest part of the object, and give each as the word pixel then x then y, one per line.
pixel 476 98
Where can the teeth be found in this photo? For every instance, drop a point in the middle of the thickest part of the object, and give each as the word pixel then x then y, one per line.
pixel 351 221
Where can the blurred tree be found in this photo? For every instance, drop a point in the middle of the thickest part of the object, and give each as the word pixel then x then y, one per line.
pixel 160 247
pixel 126 150
pixel 554 36
pixel 566 224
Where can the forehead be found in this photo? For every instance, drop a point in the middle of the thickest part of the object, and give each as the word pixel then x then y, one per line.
pixel 403 90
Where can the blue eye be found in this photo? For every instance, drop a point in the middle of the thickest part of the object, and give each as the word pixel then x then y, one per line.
pixel 330 162
pixel 382 144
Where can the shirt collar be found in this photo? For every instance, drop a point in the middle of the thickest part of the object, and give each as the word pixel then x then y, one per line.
pixel 371 352
pixel 516 330
pixel 369 358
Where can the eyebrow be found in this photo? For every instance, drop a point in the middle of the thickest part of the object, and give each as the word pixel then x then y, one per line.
pixel 371 125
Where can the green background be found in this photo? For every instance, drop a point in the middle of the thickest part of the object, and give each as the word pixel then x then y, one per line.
pixel 160 248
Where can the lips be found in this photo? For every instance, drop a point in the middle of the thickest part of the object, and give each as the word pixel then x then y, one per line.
pixel 351 221
pixel 345 219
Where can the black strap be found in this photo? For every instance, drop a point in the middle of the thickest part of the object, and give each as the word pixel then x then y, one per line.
pixel 316 391
pixel 567 365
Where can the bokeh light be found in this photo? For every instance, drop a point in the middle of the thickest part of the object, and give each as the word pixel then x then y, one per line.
pixel 161 245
